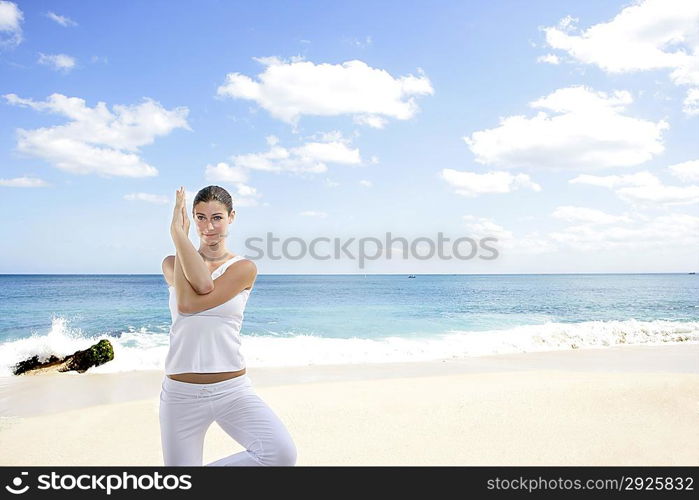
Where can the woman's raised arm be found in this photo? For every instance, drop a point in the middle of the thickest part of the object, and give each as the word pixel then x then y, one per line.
pixel 183 288
pixel 192 264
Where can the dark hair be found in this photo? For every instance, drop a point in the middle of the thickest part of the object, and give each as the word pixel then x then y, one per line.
pixel 214 193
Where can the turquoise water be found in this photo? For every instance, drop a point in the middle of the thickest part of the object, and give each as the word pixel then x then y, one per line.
pixel 306 319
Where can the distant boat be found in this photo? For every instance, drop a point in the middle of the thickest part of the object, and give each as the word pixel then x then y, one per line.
pixel 692 273
pixel 411 276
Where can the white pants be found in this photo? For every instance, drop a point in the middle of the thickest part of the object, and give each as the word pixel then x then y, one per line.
pixel 188 409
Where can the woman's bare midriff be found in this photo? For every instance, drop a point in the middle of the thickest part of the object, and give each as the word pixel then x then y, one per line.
pixel 206 378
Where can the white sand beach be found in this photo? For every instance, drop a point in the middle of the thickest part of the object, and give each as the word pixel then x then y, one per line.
pixel 626 405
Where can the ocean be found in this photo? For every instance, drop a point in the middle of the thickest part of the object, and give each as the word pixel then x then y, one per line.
pixel 293 320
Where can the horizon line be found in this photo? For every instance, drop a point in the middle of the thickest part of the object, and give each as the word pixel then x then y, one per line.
pixel 358 274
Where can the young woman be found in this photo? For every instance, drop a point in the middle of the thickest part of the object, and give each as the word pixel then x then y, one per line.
pixel 205 378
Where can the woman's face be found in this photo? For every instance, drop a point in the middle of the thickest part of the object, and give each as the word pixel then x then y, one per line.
pixel 212 221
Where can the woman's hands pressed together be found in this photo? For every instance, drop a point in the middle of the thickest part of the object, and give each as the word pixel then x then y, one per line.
pixel 192 275
pixel 180 220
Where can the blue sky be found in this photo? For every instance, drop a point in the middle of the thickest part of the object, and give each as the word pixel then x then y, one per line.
pixel 566 130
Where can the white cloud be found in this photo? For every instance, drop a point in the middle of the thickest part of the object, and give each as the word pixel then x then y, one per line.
pixel 330 183
pixel 311 213
pixel 373 121
pixel 687 171
pixel 589 215
pixel 643 188
pixel 659 195
pixel 329 152
pixel 366 183
pixel 96 140
pixel 62 20
pixel 246 196
pixel 629 233
pixel 472 184
pixel 549 58
pixel 223 172
pixel 310 157
pixel 641 234
pixel 648 35
pixel 585 130
pixel 11 18
pixel 245 190
pixel 150 198
pixel 612 181
pixel 23 182
pixel 481 227
pixel 332 136
pixel 59 62
pixel 289 90
pixel 507 243
pixel 691 103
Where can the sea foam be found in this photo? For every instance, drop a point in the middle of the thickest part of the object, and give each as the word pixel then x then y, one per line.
pixel 145 349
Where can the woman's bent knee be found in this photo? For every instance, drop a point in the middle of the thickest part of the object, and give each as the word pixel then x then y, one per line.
pixel 283 454
pixel 288 454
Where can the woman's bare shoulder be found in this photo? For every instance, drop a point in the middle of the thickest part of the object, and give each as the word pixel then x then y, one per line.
pixel 245 267
pixel 169 262
pixel 169 269
pixel 249 264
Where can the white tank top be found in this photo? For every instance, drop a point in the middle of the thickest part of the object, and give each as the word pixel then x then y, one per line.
pixel 207 341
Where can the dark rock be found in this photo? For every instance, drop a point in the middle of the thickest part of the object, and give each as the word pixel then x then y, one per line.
pixel 33 362
pixel 79 361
